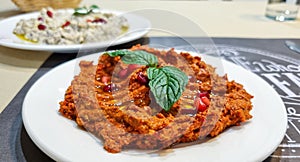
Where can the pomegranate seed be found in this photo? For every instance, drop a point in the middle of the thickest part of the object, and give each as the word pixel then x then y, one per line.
pixel 40 19
pixel 123 73
pixel 200 105
pixel 202 94
pixel 132 67
pixel 99 20
pixel 41 27
pixel 66 24
pixel 49 13
pixel 105 79
pixel 109 88
pixel 205 100
pixel 141 78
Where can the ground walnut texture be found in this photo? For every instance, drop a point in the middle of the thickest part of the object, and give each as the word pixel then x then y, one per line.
pixel 120 109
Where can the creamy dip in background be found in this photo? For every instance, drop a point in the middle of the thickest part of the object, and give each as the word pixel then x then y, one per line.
pixel 62 27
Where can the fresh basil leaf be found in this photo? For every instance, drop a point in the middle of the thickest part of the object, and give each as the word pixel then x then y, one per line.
pixel 140 58
pixel 94 9
pixel 178 74
pixel 81 11
pixel 167 84
pixel 136 57
pixel 117 53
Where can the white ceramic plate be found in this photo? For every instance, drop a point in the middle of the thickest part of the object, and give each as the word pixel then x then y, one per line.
pixel 59 137
pixel 138 27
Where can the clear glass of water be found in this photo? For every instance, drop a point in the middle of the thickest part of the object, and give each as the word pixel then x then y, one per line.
pixel 282 10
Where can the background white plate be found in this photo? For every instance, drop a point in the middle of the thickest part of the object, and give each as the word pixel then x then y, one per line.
pixel 138 27
pixel 59 137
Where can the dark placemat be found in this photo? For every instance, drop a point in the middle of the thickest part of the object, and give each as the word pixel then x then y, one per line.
pixel 269 58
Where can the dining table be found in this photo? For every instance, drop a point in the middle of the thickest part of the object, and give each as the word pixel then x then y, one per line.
pixel 238 30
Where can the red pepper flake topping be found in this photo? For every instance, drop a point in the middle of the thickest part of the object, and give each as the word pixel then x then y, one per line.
pixel 41 27
pixel 40 19
pixel 66 24
pixel 50 14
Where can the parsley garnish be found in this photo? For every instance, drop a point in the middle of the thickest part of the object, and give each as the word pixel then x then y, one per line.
pixel 85 11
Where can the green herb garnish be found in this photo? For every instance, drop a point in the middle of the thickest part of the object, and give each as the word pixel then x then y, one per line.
pixel 136 57
pixel 85 11
pixel 166 83
pixel 94 9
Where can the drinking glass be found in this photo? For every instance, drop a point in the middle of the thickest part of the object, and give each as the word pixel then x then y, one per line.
pixel 282 10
